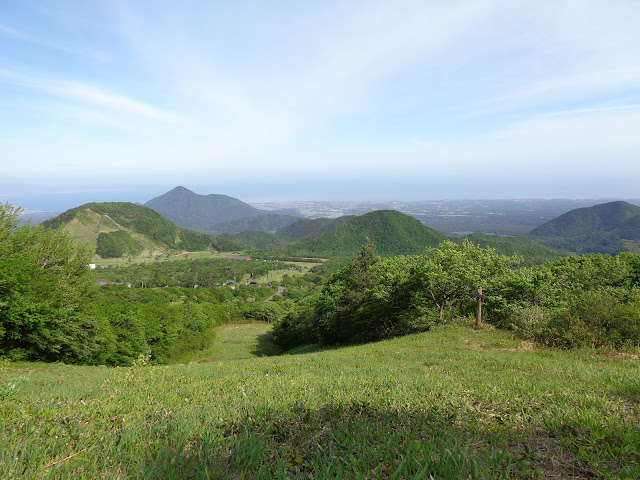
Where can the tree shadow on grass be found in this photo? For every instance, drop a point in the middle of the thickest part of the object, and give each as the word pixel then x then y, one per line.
pixel 359 440
pixel 265 346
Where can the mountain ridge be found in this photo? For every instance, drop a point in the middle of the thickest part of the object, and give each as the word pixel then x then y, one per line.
pixel 583 221
pixel 213 212
pixel 610 227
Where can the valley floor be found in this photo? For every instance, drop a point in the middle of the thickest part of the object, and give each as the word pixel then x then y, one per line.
pixel 451 403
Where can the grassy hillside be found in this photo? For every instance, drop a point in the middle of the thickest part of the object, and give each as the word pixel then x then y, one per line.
pixel 451 403
pixel 190 210
pixel 120 228
pixel 392 233
pixel 532 252
pixel 308 227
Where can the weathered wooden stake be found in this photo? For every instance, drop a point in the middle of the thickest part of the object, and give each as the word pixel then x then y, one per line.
pixel 480 297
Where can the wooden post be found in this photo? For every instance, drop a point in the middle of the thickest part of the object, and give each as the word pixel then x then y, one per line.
pixel 480 298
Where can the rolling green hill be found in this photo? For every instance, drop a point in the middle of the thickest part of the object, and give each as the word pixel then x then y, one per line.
pixel 392 233
pixel 308 227
pixel 606 217
pixel 606 228
pixel 116 229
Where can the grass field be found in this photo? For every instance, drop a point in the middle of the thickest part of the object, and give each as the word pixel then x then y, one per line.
pixel 451 403
pixel 157 256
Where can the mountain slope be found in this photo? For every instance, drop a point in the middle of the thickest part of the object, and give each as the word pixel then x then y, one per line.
pixel 606 228
pixel 392 232
pixel 264 223
pixel 258 239
pixel 313 226
pixel 120 228
pixel 605 217
pixel 532 252
pixel 215 213
pixel 630 229
pixel 191 210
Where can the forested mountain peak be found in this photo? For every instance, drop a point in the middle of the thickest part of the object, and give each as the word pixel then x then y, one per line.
pixel 392 233
pixel 191 210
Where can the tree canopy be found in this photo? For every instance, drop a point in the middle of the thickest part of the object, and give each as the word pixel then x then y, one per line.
pixel 43 278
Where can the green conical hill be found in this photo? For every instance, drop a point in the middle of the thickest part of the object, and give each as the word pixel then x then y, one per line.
pixel 392 232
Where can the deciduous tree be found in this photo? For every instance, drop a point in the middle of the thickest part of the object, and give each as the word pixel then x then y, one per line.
pixel 43 278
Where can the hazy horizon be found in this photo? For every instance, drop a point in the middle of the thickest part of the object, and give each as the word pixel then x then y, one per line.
pixel 61 200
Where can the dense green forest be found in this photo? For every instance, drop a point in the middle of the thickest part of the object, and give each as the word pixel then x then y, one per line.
pixel 392 232
pixel 584 221
pixel 532 252
pixel 606 228
pixel 51 309
pixel 308 227
pixel 264 223
pixel 207 272
pixel 259 240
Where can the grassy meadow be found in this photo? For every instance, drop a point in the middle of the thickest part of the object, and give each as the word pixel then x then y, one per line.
pixel 155 256
pixel 451 403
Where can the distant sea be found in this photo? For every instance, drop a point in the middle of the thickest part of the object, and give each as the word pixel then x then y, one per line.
pixel 59 201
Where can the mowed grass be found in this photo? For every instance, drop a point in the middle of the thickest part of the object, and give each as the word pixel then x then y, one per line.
pixel 451 403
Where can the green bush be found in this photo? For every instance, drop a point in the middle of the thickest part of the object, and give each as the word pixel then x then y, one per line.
pixel 587 301
pixel 607 318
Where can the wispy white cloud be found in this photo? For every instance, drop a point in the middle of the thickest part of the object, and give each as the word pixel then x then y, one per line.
pixel 207 87
pixel 49 44
pixel 581 111
pixel 89 95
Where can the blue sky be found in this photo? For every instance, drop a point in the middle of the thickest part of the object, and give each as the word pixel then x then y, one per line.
pixel 288 100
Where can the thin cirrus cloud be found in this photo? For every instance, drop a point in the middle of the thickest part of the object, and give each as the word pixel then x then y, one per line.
pixel 86 94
